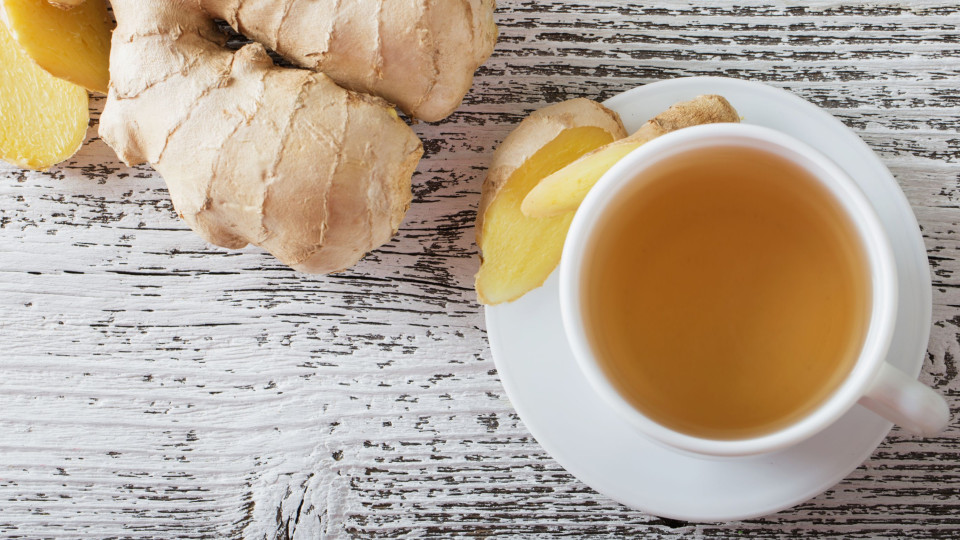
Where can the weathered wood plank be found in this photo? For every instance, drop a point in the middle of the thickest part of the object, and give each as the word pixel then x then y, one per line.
pixel 153 385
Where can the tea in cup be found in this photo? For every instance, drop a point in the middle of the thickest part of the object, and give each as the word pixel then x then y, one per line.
pixel 731 291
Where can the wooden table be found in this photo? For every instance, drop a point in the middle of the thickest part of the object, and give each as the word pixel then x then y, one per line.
pixel 152 385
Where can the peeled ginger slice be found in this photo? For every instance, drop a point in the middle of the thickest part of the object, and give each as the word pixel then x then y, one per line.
pixel 518 252
pixel 565 189
pixel 43 120
pixel 562 192
pixel 72 44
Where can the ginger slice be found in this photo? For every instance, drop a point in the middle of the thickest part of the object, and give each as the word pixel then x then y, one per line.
pixel 43 120
pixel 518 253
pixel 72 44
pixel 563 191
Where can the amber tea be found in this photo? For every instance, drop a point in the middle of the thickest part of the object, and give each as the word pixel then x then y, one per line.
pixel 728 294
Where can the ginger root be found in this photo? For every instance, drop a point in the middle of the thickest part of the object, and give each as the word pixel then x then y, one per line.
pixel 417 54
pixel 563 191
pixel 285 158
pixel 251 152
pixel 72 44
pixel 43 120
pixel 518 253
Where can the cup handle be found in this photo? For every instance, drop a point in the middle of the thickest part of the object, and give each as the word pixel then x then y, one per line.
pixel 907 402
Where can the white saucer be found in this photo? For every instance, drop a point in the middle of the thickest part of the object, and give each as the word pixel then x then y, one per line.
pixel 587 437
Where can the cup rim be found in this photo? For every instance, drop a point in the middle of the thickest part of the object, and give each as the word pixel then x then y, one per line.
pixel 872 235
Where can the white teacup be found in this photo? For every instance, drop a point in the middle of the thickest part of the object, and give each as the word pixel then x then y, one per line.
pixel 871 382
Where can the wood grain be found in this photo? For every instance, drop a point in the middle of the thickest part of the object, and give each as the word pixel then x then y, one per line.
pixel 152 385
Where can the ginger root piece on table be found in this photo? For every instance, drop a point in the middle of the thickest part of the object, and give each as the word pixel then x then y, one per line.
pixel 285 158
pixel 43 120
pixel 417 54
pixel 563 191
pixel 69 42
pixel 518 253
pixel 251 152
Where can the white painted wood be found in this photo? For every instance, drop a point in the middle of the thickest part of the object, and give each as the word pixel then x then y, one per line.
pixel 152 385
